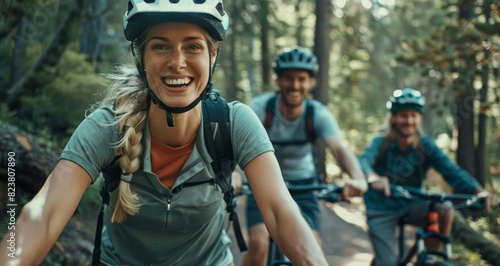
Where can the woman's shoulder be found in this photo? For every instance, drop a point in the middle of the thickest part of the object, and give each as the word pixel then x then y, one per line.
pixel 242 115
pixel 102 114
pixel 238 107
pixel 101 120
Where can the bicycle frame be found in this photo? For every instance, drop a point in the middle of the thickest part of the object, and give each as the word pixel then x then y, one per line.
pixel 418 249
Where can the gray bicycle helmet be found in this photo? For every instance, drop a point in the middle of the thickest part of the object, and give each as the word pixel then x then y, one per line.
pixel 208 14
pixel 406 99
pixel 296 58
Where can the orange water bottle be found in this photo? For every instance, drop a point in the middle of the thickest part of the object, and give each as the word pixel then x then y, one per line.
pixel 433 222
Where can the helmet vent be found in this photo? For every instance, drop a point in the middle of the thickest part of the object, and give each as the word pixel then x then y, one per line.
pixel 149 1
pixel 130 6
pixel 174 1
pixel 199 1
pixel 220 8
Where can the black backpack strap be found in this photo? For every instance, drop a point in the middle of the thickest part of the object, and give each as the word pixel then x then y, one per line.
pixel 270 111
pixel 219 145
pixel 111 176
pixel 311 134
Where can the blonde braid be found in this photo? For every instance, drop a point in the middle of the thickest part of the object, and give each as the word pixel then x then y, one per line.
pixel 131 109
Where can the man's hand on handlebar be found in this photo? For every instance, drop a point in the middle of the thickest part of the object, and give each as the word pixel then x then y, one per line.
pixel 491 201
pixel 380 183
pixel 354 188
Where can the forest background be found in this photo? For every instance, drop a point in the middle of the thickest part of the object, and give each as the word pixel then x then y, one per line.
pixel 53 54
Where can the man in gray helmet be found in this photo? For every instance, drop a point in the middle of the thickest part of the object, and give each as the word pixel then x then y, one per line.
pixel 294 122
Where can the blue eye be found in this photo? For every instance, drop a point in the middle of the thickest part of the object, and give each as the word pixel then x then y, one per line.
pixel 159 47
pixel 194 47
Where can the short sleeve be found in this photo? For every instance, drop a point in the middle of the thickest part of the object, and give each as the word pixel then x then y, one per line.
pixel 248 135
pixel 324 122
pixel 92 144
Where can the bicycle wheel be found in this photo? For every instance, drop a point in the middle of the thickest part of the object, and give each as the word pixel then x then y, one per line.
pixel 422 261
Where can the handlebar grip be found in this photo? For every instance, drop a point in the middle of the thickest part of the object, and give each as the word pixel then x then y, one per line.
pixel 331 197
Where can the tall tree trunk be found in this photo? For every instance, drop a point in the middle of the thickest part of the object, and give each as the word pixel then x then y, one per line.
pixel 483 100
pixel 322 45
pixel 465 98
pixel 264 37
pixel 93 31
pixel 431 96
pixel 299 32
pixel 252 80
pixel 232 70
pixel 465 127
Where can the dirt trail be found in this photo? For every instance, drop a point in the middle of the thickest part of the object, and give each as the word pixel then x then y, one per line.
pixel 345 240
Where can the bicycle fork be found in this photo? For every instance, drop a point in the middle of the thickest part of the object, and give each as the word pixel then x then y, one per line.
pixel 422 235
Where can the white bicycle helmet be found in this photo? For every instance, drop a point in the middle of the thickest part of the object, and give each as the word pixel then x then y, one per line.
pixel 296 58
pixel 208 14
pixel 406 99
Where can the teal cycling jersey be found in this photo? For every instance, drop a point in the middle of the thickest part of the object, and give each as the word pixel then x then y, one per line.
pixel 409 168
pixel 174 226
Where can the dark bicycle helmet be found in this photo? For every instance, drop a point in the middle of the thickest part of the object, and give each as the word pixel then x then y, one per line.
pixel 406 99
pixel 208 14
pixel 296 58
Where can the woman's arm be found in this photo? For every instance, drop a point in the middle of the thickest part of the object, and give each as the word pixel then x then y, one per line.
pixel 280 212
pixel 42 220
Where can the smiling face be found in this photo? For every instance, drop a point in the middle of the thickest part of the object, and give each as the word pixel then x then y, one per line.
pixel 406 122
pixel 177 61
pixel 294 86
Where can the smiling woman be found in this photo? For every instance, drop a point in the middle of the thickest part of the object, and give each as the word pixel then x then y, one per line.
pixel 165 210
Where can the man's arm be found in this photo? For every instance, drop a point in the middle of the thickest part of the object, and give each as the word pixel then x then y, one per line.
pixel 349 163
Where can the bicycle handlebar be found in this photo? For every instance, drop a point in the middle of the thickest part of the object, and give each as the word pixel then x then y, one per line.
pixel 327 192
pixel 467 200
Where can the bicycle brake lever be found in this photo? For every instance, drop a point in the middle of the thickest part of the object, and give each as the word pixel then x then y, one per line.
pixel 330 197
pixel 400 192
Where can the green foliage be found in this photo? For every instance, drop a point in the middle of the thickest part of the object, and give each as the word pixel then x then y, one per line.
pixel 66 92
pixel 7 116
pixel 489 227
pixel 5 58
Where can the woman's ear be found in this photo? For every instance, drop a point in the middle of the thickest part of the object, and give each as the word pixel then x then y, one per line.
pixel 214 55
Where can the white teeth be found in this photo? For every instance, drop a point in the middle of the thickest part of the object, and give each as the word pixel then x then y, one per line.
pixel 183 81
